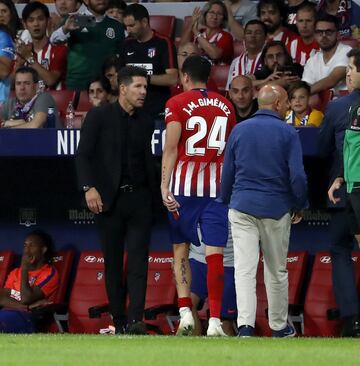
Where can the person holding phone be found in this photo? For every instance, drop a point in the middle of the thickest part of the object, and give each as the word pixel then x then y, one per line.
pixel 278 68
pixel 92 37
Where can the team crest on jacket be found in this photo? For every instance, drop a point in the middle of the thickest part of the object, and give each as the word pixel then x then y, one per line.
pixel 151 52
pixel 110 33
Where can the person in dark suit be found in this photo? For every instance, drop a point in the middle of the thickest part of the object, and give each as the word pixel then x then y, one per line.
pixel 115 171
pixel 331 141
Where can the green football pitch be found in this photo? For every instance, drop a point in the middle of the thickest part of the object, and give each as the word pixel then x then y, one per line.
pixel 83 350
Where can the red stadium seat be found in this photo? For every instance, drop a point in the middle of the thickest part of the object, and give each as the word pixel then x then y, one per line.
pixel 320 298
pixel 160 293
pixel 6 261
pixel 62 98
pixel 63 261
pixel 319 101
pixel 239 48
pixel 83 104
pixel 47 319
pixel 296 265
pixel 219 73
pixel 88 290
pixel 163 24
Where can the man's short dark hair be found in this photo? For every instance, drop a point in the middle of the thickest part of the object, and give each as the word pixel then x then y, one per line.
pixel 299 84
pixel 276 4
pixel 28 70
pixel 31 7
pixel 138 11
pixel 355 52
pixel 258 22
pixel 325 17
pixel 197 67
pixel 112 61
pixel 104 82
pixel 45 240
pixel 127 73
pixel 288 60
pixel 117 4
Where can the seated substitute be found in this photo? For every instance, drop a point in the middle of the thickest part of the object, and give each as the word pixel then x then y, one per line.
pixel 199 291
pixel 35 282
pixel 29 108
pixel 301 114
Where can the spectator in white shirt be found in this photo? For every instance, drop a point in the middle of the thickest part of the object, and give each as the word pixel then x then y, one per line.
pixel 327 68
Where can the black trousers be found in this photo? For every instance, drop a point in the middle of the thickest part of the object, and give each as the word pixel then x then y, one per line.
pixel 342 244
pixel 128 222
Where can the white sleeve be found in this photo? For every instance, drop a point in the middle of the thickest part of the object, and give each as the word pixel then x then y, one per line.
pixel 231 74
pixel 341 57
pixel 58 36
pixel 309 73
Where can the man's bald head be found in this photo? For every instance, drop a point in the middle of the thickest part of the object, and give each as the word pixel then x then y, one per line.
pixel 241 93
pixel 274 98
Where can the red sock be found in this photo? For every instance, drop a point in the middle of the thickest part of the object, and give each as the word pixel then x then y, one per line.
pixel 184 302
pixel 215 283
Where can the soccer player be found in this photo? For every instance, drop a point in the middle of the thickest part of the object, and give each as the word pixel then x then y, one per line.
pixel 198 123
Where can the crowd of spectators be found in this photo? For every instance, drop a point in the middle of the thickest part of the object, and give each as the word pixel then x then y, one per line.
pixel 281 42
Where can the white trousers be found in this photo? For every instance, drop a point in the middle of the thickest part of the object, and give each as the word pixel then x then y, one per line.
pixel 250 234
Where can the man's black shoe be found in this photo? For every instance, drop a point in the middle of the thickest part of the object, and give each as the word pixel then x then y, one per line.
pixel 351 327
pixel 120 329
pixel 137 328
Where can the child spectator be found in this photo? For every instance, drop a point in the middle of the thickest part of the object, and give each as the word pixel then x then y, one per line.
pixel 301 114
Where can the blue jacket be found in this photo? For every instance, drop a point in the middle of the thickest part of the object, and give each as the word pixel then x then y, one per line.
pixel 331 137
pixel 263 173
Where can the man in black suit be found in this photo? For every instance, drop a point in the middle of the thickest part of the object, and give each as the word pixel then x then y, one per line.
pixel 331 141
pixel 115 171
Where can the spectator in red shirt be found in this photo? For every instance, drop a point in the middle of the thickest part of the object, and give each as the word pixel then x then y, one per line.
pixel 36 51
pixel 306 45
pixel 34 282
pixel 207 31
pixel 274 14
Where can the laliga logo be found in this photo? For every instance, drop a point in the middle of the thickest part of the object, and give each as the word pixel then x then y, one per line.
pixel 90 259
pixel 157 276
pixel 325 259
pixel 99 276
pixel 2 259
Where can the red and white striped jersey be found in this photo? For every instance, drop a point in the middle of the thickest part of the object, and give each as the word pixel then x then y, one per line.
pixel 244 65
pixel 54 58
pixel 301 52
pixel 206 119
pixel 285 36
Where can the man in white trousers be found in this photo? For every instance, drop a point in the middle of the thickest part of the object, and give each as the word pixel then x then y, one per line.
pixel 265 186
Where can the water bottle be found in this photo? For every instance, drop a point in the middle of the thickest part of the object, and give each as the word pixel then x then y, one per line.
pixel 70 115
pixel 51 118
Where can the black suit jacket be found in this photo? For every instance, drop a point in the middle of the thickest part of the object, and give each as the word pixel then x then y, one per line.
pixel 99 154
pixel 331 137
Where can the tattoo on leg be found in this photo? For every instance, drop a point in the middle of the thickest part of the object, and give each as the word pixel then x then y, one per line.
pixel 173 271
pixel 183 271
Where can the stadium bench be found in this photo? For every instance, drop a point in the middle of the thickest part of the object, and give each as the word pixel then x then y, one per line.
pixel 296 265
pixel 6 261
pixel 320 304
